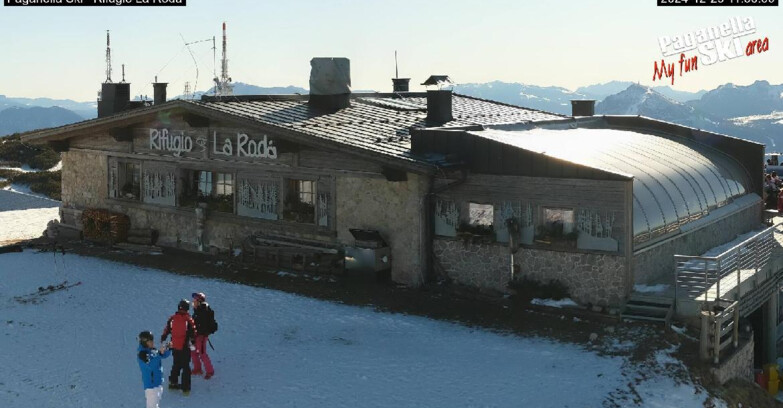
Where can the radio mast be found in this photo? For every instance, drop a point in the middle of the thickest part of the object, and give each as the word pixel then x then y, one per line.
pixel 108 58
pixel 223 85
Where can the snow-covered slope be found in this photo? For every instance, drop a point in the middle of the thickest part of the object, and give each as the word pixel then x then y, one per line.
pixel 24 216
pixel 729 100
pixel 548 98
pixel 76 348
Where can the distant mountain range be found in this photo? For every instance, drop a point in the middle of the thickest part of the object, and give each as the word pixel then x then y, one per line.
pixel 21 119
pixel 753 112
pixel 241 88
pixel 765 126
pixel 600 91
pixel 87 110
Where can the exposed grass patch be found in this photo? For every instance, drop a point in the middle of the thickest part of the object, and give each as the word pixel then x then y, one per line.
pixel 43 182
pixel 14 153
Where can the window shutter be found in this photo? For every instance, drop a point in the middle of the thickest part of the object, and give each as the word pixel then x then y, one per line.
pixel 324 205
pixel 114 183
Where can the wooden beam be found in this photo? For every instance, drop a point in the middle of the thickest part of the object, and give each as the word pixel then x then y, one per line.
pixel 60 146
pixel 196 121
pixel 123 134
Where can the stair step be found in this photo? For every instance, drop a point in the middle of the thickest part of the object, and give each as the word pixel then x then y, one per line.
pixel 637 317
pixel 648 308
pixel 653 300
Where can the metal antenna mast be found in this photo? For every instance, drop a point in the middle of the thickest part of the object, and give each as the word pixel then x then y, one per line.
pixel 108 58
pixel 123 73
pixel 214 65
pixel 223 86
pixel 396 72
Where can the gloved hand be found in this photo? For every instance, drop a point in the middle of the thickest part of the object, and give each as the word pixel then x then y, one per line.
pixel 192 347
pixel 144 356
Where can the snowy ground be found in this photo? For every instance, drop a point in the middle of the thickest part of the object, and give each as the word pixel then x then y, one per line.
pixel 76 348
pixel 24 215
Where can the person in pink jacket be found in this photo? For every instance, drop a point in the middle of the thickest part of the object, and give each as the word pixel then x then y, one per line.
pixel 205 325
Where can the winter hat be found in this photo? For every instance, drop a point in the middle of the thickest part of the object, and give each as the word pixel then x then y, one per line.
pixel 183 305
pixel 200 296
pixel 145 336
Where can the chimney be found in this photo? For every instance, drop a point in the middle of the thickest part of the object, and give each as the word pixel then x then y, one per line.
pixel 114 98
pixel 401 84
pixel 439 101
pixel 583 107
pixel 159 89
pixel 330 83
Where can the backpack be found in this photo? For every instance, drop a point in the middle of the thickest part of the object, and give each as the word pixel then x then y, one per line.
pixel 211 323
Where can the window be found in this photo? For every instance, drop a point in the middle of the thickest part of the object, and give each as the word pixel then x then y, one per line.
pixel 204 183
pixel 299 203
pixel 258 198
pixel 213 188
pixel 129 180
pixel 480 214
pixel 159 184
pixel 477 219
pixel 225 184
pixel 557 224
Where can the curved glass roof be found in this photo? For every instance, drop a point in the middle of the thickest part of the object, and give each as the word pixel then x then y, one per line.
pixel 676 180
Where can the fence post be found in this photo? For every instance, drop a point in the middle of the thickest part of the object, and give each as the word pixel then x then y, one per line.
pixel 676 282
pixel 716 346
pixel 735 335
pixel 706 285
pixel 717 288
pixel 739 277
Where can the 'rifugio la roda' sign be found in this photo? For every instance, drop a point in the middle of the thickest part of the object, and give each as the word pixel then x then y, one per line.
pixel 242 146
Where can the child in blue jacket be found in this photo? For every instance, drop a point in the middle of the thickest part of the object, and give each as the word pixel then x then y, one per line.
pixel 151 369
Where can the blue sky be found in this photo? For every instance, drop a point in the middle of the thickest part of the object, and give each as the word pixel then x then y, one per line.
pixel 59 51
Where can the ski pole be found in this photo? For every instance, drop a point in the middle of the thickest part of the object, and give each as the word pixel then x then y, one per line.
pixel 210 344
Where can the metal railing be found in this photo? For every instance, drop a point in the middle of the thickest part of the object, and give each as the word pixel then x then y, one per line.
pixel 724 330
pixel 696 276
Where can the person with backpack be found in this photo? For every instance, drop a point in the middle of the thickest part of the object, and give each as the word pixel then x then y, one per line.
pixel 151 365
pixel 204 317
pixel 183 333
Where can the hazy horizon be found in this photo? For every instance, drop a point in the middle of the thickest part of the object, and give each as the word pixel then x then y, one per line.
pixel 58 52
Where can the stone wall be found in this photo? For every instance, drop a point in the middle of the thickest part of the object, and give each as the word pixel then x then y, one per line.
pixel 394 209
pixel 84 179
pixel 657 262
pixel 595 278
pixel 738 365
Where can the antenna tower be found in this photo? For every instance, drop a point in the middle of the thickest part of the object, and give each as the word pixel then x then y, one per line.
pixel 223 85
pixel 108 58
pixel 186 92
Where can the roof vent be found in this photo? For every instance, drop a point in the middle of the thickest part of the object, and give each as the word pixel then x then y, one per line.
pixel 401 84
pixel 330 83
pixel 439 101
pixel 159 89
pixel 582 107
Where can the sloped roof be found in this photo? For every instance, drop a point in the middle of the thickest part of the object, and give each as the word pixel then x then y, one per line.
pixel 676 180
pixel 375 123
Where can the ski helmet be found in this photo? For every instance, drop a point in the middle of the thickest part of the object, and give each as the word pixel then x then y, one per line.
pixel 200 296
pixel 145 336
pixel 183 305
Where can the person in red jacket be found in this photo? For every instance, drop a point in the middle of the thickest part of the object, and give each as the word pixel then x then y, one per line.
pixel 183 332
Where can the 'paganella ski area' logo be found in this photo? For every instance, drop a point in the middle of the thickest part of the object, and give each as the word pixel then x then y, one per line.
pixel 709 46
